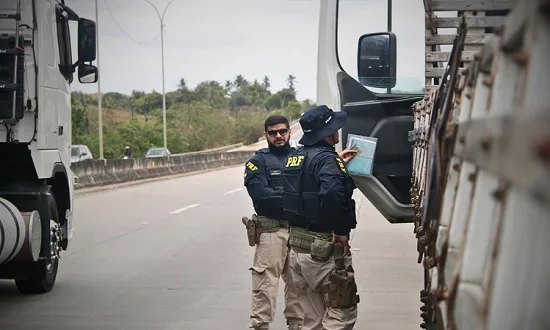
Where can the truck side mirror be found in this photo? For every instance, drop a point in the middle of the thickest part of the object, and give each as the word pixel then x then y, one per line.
pixel 87 73
pixel 86 40
pixel 376 60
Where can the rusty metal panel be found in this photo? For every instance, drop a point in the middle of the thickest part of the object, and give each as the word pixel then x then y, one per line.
pixel 454 5
pixel 482 17
pixel 474 22
pixel 444 56
pixel 519 297
pixel 448 39
pixel 483 248
pixel 437 72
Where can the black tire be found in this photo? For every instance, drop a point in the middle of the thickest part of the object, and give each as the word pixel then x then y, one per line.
pixel 46 284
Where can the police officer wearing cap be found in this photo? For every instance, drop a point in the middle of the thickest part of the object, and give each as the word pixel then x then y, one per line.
pixel 318 204
pixel 263 181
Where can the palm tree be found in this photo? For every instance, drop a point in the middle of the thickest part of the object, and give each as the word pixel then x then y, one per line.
pixel 228 86
pixel 182 84
pixel 290 80
pixel 239 81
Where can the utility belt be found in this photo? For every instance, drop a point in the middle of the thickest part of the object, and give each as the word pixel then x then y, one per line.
pixel 268 225
pixel 257 225
pixel 318 244
pixel 341 291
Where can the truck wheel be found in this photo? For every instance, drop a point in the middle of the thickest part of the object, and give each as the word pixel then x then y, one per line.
pixel 46 284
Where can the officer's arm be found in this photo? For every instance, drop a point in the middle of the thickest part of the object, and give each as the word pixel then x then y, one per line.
pixel 255 181
pixel 332 193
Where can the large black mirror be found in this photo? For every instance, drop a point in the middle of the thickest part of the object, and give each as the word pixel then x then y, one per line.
pixel 86 40
pixel 87 74
pixel 376 60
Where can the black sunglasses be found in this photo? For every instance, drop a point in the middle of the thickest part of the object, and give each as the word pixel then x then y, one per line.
pixel 281 131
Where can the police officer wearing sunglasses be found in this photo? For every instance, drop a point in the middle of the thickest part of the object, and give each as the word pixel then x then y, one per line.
pixel 318 204
pixel 268 231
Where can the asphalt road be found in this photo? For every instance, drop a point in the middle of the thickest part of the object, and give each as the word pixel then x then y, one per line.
pixel 173 254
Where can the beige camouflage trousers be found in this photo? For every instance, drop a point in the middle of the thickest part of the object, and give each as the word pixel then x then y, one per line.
pixel 270 264
pixel 309 276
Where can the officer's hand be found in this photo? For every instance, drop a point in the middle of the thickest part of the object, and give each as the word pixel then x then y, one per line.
pixel 347 154
pixel 342 239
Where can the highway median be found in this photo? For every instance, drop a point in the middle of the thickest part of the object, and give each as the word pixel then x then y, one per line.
pixel 96 173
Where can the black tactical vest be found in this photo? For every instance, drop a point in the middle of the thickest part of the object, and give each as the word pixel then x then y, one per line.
pixel 301 203
pixel 273 168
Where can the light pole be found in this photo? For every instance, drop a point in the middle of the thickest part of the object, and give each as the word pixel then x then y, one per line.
pixel 161 19
pixel 99 110
pixel 389 28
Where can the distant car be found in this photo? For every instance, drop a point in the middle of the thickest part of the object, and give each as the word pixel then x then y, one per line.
pixel 157 153
pixel 80 152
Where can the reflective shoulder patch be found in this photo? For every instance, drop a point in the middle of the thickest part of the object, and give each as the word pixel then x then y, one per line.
pixel 251 166
pixel 341 164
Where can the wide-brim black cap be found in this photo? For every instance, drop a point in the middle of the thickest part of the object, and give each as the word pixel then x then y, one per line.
pixel 337 122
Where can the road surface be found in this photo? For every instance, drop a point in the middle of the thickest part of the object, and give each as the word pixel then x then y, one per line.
pixel 173 254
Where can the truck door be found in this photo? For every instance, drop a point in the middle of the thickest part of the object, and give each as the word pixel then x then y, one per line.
pixel 378 101
pixel 64 78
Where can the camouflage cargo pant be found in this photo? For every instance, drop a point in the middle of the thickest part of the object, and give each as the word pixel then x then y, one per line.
pixel 270 264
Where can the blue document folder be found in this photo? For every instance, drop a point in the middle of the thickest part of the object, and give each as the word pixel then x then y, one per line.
pixel 363 163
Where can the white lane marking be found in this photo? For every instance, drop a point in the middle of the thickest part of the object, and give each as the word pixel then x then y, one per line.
pixel 233 191
pixel 183 209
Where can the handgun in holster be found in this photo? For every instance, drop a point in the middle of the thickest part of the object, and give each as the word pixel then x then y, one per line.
pixel 342 288
pixel 251 229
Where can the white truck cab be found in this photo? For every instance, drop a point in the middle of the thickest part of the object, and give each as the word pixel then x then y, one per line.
pixel 36 183
pixel 378 103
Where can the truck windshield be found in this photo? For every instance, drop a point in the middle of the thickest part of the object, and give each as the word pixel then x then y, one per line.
pixel 359 17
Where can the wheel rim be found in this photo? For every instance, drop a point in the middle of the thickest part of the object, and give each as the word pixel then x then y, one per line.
pixel 55 241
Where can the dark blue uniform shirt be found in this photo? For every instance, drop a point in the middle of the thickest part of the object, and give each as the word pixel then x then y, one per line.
pixel 267 200
pixel 335 190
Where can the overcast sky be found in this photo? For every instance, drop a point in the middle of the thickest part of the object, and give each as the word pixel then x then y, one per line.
pixel 219 39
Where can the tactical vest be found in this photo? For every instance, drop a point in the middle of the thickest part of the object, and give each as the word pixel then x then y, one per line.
pixel 301 204
pixel 273 168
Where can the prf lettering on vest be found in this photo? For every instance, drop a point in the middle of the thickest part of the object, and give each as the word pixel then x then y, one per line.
pixel 251 166
pixel 342 166
pixel 294 161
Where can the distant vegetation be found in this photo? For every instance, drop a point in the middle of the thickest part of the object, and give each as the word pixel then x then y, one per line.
pixel 208 116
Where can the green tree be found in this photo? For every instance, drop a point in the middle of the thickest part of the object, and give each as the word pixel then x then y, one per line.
pixel 266 83
pixel 240 82
pixel 212 92
pixel 291 80
pixel 274 102
pixel 212 114
pixel 293 109
pixel 115 100
pixel 78 121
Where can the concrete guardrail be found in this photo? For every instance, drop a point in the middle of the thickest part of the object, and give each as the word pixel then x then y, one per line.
pixel 224 148
pixel 111 171
pixel 94 173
